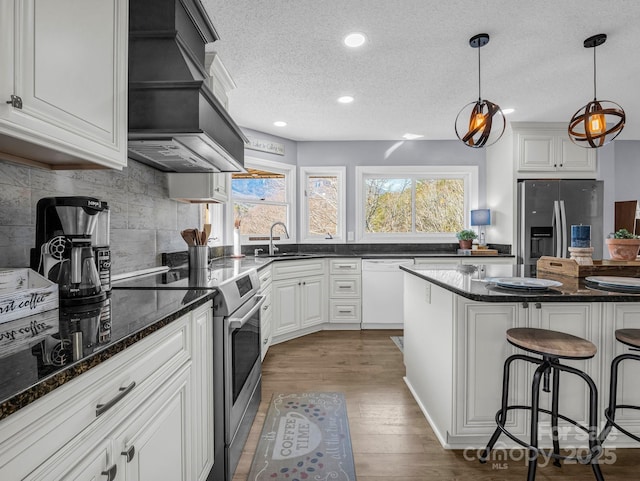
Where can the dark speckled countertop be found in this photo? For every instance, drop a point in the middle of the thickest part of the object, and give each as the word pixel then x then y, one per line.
pixel 477 282
pixel 25 377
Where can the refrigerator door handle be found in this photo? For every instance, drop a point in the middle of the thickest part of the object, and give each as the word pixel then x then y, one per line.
pixel 565 228
pixel 558 227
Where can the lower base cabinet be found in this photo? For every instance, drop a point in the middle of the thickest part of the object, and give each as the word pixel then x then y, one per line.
pixel 160 428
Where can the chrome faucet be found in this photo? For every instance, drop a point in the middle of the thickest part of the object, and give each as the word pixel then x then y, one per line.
pixel 273 248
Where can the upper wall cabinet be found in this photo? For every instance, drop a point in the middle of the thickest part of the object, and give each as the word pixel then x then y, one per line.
pixel 546 148
pixel 63 83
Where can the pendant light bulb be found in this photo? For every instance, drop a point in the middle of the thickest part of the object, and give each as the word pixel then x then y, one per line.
pixel 485 122
pixel 600 121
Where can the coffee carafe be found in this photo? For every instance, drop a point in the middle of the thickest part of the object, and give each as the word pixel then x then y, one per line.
pixel 64 252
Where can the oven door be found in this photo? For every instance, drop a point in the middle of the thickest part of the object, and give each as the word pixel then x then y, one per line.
pixel 242 370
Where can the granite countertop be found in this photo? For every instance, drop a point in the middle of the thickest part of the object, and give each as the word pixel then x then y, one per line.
pixel 474 282
pixel 27 372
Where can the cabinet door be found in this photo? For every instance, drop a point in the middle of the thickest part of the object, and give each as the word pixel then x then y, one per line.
pixel 154 443
pixel 69 68
pixel 313 301
pixel 578 319
pixel 574 158
pixel 202 407
pixel 221 187
pixel 285 306
pixel 78 464
pixel 481 349
pixel 535 151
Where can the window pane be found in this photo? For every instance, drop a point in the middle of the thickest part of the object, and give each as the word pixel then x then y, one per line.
pixel 259 185
pixel 322 199
pixel 439 205
pixel 256 219
pixel 388 205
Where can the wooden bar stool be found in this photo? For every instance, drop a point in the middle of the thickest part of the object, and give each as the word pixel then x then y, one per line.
pixel 630 337
pixel 552 346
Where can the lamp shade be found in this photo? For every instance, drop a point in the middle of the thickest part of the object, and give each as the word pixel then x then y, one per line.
pixel 481 217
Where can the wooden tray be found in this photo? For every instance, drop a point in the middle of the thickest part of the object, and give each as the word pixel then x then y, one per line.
pixel 569 267
pixel 24 292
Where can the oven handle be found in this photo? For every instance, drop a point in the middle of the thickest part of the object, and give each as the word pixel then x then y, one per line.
pixel 238 322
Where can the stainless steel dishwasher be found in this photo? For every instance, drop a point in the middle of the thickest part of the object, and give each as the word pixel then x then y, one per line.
pixel 382 293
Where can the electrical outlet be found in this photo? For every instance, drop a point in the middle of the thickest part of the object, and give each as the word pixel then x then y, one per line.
pixel 350 236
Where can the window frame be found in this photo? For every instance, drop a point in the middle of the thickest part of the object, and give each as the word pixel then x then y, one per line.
pixel 340 173
pixel 289 171
pixel 468 173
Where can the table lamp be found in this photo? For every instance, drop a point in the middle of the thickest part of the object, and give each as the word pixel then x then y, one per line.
pixel 481 218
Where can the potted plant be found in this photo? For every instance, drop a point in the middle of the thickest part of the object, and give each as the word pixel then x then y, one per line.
pixel 623 245
pixel 466 237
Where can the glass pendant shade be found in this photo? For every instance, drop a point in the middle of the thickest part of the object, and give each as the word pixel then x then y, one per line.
pixel 480 123
pixel 600 121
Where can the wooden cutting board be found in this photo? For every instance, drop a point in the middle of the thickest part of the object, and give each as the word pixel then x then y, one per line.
pixel 484 252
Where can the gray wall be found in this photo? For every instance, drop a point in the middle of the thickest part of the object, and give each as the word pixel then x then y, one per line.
pixel 144 221
pixel 627 170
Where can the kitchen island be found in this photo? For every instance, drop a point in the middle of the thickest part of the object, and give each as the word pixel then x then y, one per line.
pixel 456 318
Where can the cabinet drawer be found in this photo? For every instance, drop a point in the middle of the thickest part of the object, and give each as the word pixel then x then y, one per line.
pixel 293 269
pixel 344 310
pixel 34 433
pixel 265 277
pixel 344 266
pixel 267 307
pixel 345 286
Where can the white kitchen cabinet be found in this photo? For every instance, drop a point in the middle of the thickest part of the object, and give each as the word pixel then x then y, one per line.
pixel 345 291
pixel 547 148
pixel 150 390
pixel 65 76
pixel 299 291
pixel 199 188
pixel 460 346
pixel 266 315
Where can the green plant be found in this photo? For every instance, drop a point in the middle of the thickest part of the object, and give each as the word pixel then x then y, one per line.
pixel 623 234
pixel 466 234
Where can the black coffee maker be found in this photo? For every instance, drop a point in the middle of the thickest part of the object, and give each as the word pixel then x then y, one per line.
pixel 72 250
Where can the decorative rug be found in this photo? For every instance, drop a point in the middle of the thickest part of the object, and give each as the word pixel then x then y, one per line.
pixel 399 341
pixel 305 437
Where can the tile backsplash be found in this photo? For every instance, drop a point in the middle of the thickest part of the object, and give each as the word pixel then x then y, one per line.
pixel 144 221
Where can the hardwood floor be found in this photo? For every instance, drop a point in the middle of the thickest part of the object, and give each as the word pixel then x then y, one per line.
pixel 391 439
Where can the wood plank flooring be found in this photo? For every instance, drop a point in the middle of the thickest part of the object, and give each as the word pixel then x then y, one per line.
pixel 391 439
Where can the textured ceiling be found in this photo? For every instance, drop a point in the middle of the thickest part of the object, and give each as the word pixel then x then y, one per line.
pixel 417 70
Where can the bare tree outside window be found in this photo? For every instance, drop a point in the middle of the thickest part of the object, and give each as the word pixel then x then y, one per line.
pixel 259 201
pixel 322 199
pixel 414 205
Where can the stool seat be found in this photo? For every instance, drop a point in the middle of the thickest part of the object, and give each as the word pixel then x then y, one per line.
pixel 630 337
pixel 551 343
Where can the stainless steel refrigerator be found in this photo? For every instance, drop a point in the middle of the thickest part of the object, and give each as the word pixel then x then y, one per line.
pixel 546 211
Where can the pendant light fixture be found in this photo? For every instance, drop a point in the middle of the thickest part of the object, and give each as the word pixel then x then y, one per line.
pixel 600 121
pixel 480 123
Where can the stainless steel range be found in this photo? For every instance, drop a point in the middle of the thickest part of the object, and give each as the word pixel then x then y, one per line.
pixel 236 367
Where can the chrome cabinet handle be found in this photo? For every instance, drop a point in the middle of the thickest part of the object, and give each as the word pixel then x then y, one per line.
pixel 110 472
pixel 265 341
pixel 265 307
pixel 344 287
pixel 129 453
pixel 102 408
pixel 345 312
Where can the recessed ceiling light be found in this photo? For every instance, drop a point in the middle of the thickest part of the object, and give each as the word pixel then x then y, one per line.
pixel 280 123
pixel 346 99
pixel 355 39
pixel 508 111
pixel 409 136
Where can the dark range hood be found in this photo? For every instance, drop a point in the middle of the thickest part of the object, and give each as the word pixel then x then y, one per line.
pixel 175 122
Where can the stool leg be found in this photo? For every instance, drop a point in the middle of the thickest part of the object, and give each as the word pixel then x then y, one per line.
pixel 554 415
pixel 595 448
pixel 610 413
pixel 503 412
pixel 535 403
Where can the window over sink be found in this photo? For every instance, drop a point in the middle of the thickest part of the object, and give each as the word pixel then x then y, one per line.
pixel 414 204
pixel 261 196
